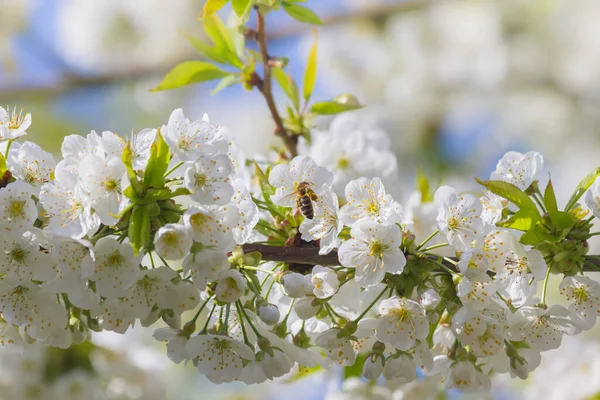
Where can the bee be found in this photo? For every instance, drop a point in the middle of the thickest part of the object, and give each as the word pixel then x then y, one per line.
pixel 306 195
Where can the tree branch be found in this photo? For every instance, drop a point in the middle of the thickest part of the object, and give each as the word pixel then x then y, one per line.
pixel 290 140
pixel 311 256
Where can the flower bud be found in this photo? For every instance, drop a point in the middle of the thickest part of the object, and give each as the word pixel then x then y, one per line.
pixel 430 299
pixel 268 313
pixel 294 284
pixel 373 366
pixel 305 308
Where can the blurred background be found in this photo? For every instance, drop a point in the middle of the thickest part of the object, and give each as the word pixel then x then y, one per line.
pixel 454 83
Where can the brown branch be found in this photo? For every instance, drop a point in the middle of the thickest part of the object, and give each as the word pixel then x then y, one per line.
pixel 311 256
pixel 290 140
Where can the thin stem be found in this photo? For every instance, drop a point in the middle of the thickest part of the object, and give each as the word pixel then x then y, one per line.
pixel 289 311
pixel 427 239
pixel 545 287
pixel 200 310
pixel 595 234
pixel 163 260
pixel 451 261
pixel 241 307
pixel 435 246
pixel 371 305
pixel 265 87
pixel 8 148
pixel 442 265
pixel 237 306
pixel 179 164
pixel 151 259
pixel 259 269
pixel 208 317
pixel 539 203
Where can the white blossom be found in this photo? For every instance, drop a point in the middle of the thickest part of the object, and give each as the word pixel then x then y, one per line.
pixel 403 321
pixel 29 163
pixel 172 241
pixel 208 179
pixel 458 217
pixel 219 357
pixel 584 294
pixel 13 124
pixel 286 178
pixel 325 226
pixel 373 251
pixel 325 281
pixel 231 286
pixel 541 328
pixel 400 369
pixel 519 169
pixel 18 211
pixel 116 269
pixel 367 199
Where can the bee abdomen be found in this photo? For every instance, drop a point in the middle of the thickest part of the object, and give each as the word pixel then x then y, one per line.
pixel 306 207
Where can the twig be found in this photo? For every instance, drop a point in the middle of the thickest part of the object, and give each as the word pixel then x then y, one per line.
pixel 311 256
pixel 290 140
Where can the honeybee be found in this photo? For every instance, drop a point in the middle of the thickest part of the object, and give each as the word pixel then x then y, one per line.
pixel 306 195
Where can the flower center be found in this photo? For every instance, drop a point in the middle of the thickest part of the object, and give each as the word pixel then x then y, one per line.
pixel 115 258
pixel 401 315
pixel 18 255
pixel 581 295
pixel 198 219
pixel 453 223
pixel 16 120
pixel 200 180
pixel 171 238
pixel 16 208
pixel 373 208
pixel 376 249
pixel 111 184
pixel 343 163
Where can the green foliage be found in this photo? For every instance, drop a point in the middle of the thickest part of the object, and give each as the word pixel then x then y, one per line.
pixel 190 72
pixel 287 84
pixel 522 220
pixel 513 194
pixel 355 370
pixel 310 75
pixel 211 7
pixel 139 229
pixel 423 187
pixel 340 104
pixel 550 197
pixel 157 163
pixel 582 187
pixel 242 8
pixel 301 13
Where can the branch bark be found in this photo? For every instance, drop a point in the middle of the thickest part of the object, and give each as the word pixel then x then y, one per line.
pixel 311 256
pixel 290 140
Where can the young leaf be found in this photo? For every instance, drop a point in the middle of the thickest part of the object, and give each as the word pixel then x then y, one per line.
pixel 211 7
pixel 210 52
pixel 522 220
pixel 288 86
pixel 241 7
pixel 223 39
pixel 561 219
pixel 226 82
pixel 265 186
pixel 190 72
pixel 133 191
pixel 536 235
pixel 582 187
pixel 139 228
pixel 423 187
pixel 310 75
pixel 301 13
pixel 511 193
pixel 158 163
pixel 342 103
pixel 550 197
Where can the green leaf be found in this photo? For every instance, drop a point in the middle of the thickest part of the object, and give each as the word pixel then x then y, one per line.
pixel 223 39
pixel 263 181
pixel 513 194
pixel 241 7
pixel 3 166
pixel 211 7
pixel 423 187
pixel 213 53
pixel 139 229
pixel 288 86
pixel 355 370
pixel 135 189
pixel 582 187
pixel 226 82
pixel 561 219
pixel 190 72
pixel 522 220
pixel 536 235
pixel 158 163
pixel 301 13
pixel 342 103
pixel 310 75
pixel 550 197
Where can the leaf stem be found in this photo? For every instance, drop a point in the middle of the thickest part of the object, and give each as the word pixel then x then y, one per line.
pixel 427 239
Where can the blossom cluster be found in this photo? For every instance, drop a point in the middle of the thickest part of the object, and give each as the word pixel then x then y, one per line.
pixel 126 230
